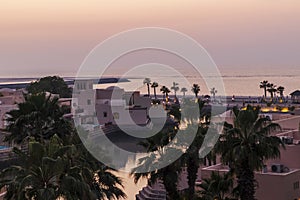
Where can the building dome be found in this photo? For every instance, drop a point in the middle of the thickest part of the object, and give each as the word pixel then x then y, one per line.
pixel 113 88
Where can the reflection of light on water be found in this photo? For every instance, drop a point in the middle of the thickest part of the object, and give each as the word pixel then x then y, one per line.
pixel 130 188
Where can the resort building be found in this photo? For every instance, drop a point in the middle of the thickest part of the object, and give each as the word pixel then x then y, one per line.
pixel 112 105
pixel 115 106
pixel 9 98
pixel 273 183
pixel 295 96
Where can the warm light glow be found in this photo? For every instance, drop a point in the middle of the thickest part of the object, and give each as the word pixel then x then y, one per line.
pixel 265 109
pixel 285 109
pixel 244 108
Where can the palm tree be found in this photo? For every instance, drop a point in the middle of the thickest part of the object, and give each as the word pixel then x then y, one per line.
pixel 183 90
pixel 196 89
pixel 217 187
pixel 38 119
pixel 103 183
pixel 272 89
pixel 245 145
pixel 192 160
pixel 191 157
pixel 59 168
pixel 280 90
pixel 45 173
pixel 169 174
pixel 40 116
pixel 175 88
pixel 147 81
pixel 213 91
pixel 264 85
pixel 165 92
pixel 154 85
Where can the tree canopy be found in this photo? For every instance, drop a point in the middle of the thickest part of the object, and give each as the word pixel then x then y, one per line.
pixel 52 84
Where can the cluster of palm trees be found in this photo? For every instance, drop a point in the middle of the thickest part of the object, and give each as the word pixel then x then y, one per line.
pixel 165 90
pixel 272 89
pixel 56 164
pixel 244 146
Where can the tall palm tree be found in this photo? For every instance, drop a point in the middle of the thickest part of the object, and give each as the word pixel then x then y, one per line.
pixel 245 145
pixel 264 84
pixel 165 92
pixel 183 90
pixel 192 160
pixel 217 187
pixel 154 85
pixel 169 174
pixel 213 91
pixel 191 157
pixel 196 89
pixel 175 88
pixel 280 90
pixel 147 81
pixel 272 89
pixel 40 116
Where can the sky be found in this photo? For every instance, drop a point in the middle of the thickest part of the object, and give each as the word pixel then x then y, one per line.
pixel 41 37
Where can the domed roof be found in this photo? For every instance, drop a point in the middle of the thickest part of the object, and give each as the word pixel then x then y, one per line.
pixel 113 88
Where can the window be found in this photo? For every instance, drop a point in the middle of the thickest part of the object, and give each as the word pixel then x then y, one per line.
pixel 296 185
pixel 89 102
pixel 116 115
pixel 104 114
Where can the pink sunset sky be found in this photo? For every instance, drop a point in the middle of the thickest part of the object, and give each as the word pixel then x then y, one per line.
pixel 54 36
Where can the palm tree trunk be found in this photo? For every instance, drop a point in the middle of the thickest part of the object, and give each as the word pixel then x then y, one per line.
pixel 192 169
pixel 246 182
pixel 155 93
pixel 148 86
pixel 170 178
pixel 265 89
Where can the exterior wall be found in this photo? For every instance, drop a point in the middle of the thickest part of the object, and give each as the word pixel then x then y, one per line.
pixel 143 102
pixel 83 108
pixel 290 123
pixel 110 93
pixel 100 110
pixel 3 110
pixel 278 186
pixel 206 171
pixel 120 115
pixel 289 157
pixel 275 186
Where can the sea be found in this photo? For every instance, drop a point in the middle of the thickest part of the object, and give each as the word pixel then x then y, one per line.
pixel 230 81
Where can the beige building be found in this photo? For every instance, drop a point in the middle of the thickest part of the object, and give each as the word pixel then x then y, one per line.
pixel 279 180
pixel 115 106
pixel 271 184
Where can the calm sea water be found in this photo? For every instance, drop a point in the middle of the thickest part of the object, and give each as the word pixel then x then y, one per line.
pixel 244 82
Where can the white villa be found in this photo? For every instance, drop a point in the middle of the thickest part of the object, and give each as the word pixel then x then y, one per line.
pixel 112 105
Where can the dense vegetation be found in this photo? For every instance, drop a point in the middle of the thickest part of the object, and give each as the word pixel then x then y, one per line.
pixel 56 163
pixel 52 84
